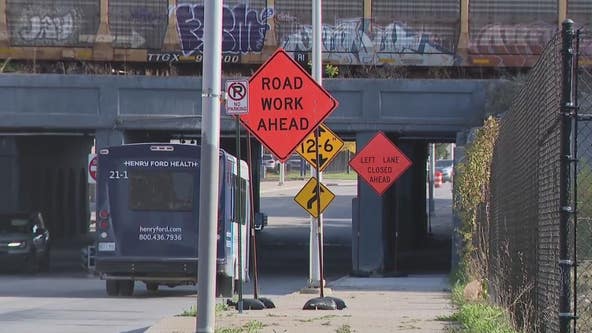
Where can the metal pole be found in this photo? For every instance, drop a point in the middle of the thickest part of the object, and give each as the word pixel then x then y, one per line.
pixel 282 173
pixel 209 172
pixel 575 183
pixel 252 215
pixel 320 218
pixel 431 169
pixel 567 211
pixel 317 74
pixel 238 214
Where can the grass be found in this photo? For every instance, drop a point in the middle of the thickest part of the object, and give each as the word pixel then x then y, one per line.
pixel 192 311
pixel 344 329
pixel 477 317
pixel 252 326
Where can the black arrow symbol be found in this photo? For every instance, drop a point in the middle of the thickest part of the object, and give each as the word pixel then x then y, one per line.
pixel 313 199
pixel 323 160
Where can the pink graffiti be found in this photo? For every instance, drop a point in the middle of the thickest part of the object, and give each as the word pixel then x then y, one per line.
pixel 520 39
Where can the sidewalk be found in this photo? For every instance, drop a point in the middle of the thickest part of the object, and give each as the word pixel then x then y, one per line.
pixel 270 186
pixel 402 304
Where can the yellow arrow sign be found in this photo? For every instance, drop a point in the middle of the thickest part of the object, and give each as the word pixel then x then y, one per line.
pixel 329 145
pixel 308 197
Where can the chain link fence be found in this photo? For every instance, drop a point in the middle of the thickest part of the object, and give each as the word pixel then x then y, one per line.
pixel 524 211
pixel 583 230
pixel 540 209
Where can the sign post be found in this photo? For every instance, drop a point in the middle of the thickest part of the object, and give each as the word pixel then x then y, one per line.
pixel 237 102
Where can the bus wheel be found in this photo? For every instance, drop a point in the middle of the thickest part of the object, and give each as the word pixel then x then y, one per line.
pixel 112 287
pixel 126 287
pixel 224 285
pixel 152 287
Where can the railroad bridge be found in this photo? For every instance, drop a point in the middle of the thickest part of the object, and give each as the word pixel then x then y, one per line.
pixel 50 122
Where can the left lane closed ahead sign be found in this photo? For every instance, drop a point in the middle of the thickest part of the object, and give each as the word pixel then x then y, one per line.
pixel 285 104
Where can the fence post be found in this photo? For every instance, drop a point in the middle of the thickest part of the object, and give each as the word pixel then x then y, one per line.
pixel 567 160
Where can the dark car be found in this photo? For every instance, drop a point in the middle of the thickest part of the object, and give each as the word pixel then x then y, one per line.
pixel 24 242
pixel 295 162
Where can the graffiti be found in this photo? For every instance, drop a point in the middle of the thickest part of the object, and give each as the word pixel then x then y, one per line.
pixel 60 23
pixel 174 57
pixel 243 29
pixel 247 28
pixel 348 43
pixel 56 28
pixel 519 39
pixel 142 14
pixel 138 23
pixel 397 38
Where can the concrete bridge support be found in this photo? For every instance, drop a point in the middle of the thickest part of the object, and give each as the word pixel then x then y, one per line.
pixel 9 170
pixel 388 230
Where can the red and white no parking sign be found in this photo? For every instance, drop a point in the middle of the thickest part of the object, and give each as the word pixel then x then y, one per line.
pixel 237 93
pixel 93 160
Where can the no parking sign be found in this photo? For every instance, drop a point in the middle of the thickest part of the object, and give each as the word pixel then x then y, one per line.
pixel 237 97
pixel 93 160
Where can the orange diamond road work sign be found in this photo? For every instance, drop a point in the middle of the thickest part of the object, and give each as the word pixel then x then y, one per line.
pixel 380 163
pixel 285 104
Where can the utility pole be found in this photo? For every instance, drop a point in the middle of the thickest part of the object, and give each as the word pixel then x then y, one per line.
pixel 209 172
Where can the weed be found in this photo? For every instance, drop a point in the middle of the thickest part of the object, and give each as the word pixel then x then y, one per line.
pixel 221 307
pixel 252 326
pixel 310 320
pixel 192 311
pixel 275 315
pixel 484 318
pixel 345 328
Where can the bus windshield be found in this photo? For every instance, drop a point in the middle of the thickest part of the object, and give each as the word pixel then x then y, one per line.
pixel 164 190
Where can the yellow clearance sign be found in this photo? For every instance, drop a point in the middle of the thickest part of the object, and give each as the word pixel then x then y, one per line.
pixel 329 145
pixel 308 198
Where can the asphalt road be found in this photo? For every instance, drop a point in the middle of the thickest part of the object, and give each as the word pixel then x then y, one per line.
pixel 67 300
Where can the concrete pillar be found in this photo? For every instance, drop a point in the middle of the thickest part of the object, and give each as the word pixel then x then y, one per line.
pixel 459 155
pixel 105 138
pixel 9 174
pixel 367 237
pixel 410 199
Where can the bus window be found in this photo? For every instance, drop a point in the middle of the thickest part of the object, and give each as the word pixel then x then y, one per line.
pixel 160 190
